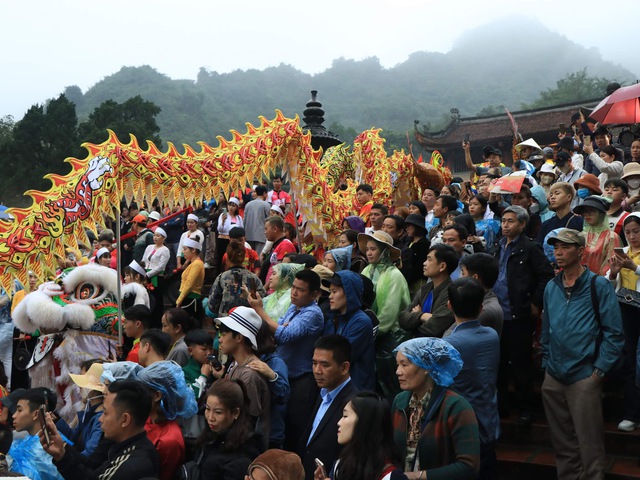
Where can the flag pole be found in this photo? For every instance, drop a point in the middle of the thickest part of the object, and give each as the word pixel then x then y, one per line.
pixel 119 283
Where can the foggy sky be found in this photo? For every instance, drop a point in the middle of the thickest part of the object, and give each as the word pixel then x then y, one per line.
pixel 49 44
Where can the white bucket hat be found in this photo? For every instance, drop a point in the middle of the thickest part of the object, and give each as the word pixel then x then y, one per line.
pixel 245 321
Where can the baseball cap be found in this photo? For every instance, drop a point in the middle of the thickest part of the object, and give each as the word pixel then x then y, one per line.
pixel 141 219
pixel 567 143
pixel 563 157
pixel 335 280
pixel 568 235
pixel 11 400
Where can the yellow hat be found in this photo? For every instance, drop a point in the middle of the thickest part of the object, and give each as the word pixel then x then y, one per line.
pixel 91 379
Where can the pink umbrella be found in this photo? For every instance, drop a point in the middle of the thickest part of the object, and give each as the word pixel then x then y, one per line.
pixel 622 106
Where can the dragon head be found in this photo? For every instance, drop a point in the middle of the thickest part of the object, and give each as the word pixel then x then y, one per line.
pixel 83 298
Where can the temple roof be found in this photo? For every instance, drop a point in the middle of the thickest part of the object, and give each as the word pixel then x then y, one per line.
pixel 490 129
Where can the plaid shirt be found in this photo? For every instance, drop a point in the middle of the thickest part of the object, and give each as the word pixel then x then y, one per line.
pixel 449 447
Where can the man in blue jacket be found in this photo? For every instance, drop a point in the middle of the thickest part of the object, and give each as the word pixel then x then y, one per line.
pixel 581 339
pixel 479 348
pixel 350 321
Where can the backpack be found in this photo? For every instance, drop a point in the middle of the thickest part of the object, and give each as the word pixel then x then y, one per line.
pixel 617 366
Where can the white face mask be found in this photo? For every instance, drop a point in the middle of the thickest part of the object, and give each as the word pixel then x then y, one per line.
pixel 634 183
pixel 534 208
pixel 546 179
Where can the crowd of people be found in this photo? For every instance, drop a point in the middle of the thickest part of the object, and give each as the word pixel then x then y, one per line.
pixel 393 355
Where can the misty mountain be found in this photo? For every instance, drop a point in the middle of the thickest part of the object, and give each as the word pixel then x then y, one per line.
pixel 503 63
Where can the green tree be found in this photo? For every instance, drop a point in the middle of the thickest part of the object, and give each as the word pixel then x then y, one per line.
pixel 27 146
pixel 396 141
pixel 6 140
pixel 491 110
pixel 575 87
pixel 46 136
pixel 39 143
pixel 7 125
pixel 136 116
pixel 345 134
pixel 60 133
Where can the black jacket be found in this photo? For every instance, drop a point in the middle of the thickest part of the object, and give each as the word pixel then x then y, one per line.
pixel 419 252
pixel 136 457
pixel 528 272
pixel 218 464
pixel 324 443
pixel 405 265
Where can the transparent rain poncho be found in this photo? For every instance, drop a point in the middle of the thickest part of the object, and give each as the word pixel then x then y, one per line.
pixel 342 257
pixel 287 272
pixel 437 356
pixel 119 371
pixel 178 401
pixel 279 301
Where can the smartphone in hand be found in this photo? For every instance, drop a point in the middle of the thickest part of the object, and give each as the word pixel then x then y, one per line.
pixel 253 287
pixel 215 363
pixel 320 465
pixel 562 128
pixel 43 423
pixel 466 138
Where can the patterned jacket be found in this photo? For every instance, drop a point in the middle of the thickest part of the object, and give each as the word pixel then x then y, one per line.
pixel 449 446
pixel 226 291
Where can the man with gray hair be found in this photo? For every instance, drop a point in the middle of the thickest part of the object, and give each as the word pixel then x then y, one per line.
pixel 523 274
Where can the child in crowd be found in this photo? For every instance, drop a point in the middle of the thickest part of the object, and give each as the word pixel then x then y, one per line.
pixel 177 323
pixel 103 257
pixel 196 373
pixel 449 219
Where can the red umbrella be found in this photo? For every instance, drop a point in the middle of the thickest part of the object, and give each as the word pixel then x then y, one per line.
pixel 622 106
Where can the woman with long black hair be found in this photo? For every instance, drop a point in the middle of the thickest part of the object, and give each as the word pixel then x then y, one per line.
pixel 229 444
pixel 369 452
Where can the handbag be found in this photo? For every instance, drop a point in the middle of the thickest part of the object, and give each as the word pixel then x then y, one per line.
pixel 191 470
pixel 628 297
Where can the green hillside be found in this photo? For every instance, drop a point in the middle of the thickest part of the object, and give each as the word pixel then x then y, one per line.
pixel 498 64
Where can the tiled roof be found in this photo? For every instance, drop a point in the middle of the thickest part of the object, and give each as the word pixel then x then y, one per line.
pixel 489 130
